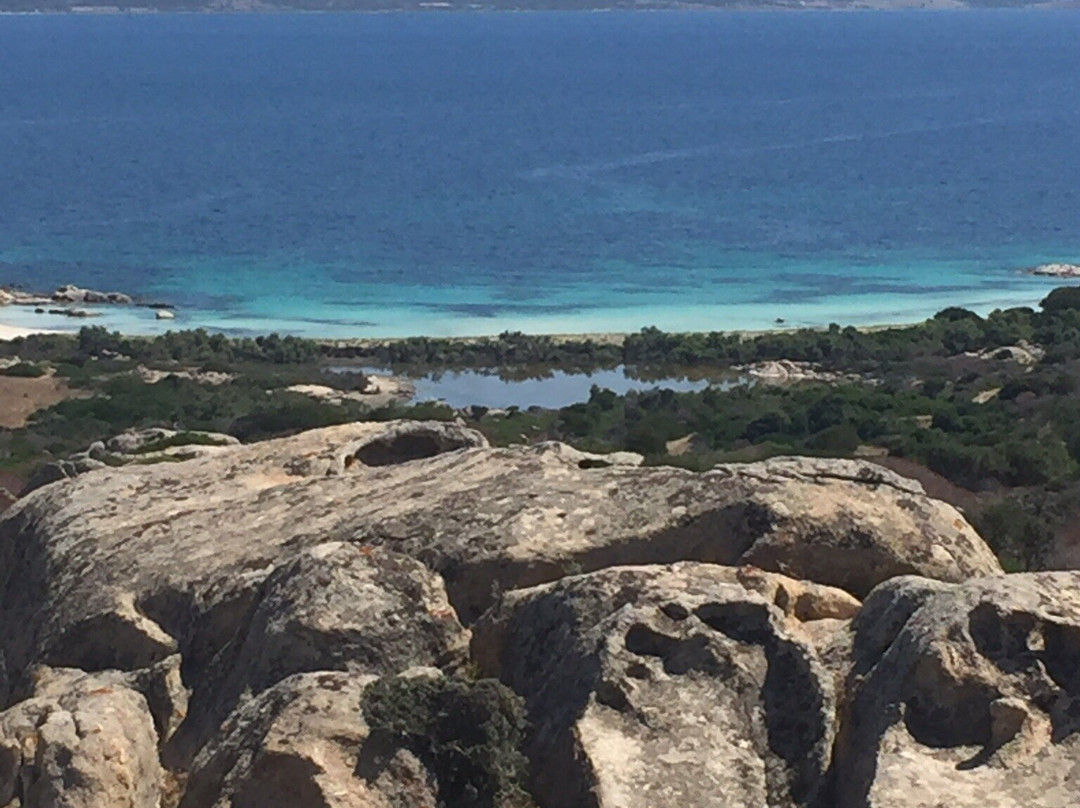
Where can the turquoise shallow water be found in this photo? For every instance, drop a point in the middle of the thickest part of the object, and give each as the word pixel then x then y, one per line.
pixel 468 174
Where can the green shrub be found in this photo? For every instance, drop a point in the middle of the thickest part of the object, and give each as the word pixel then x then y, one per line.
pixel 468 733
pixel 24 370
pixel 1065 297
pixel 1020 538
pixel 841 438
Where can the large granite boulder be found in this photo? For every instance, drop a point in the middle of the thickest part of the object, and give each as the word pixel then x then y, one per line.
pixel 123 567
pixel 852 524
pixel 79 741
pixel 348 740
pixel 966 695
pixel 334 607
pixel 667 686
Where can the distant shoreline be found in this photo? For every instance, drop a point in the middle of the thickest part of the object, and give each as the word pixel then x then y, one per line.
pixel 931 6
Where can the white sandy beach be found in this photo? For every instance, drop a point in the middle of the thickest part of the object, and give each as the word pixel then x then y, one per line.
pixel 10 332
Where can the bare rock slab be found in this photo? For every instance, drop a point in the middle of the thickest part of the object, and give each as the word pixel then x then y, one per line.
pixel 650 687
pixel 970 691
pixel 79 742
pixel 122 567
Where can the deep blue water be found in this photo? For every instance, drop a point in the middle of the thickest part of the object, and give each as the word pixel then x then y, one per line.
pixel 466 173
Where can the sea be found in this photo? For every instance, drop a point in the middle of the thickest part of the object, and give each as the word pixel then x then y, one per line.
pixel 364 175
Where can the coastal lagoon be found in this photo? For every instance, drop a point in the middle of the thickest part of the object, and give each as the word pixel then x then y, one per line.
pixel 450 174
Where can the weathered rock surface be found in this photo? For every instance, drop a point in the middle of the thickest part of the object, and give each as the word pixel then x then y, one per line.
pixel 80 741
pixel 852 524
pixel 296 744
pixel 334 607
pixel 966 695
pixel 122 567
pixel 134 446
pixel 311 740
pixel 668 686
pixel 232 613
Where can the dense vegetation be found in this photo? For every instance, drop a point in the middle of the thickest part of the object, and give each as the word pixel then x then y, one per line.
pixel 942 394
pixel 469 733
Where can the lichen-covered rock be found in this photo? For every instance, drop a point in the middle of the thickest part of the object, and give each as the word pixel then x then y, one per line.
pixel 79 741
pixel 348 740
pixel 123 567
pixel 853 524
pixel 663 686
pixel 967 695
pixel 296 744
pixel 334 607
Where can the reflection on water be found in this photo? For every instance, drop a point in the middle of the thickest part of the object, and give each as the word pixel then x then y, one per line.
pixel 552 389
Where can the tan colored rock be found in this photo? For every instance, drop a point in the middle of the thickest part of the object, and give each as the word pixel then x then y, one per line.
pixel 213 378
pixel 307 741
pixel 334 607
pixel 122 566
pixel 852 524
pixel 297 744
pixel 80 741
pixel 970 691
pixel 650 687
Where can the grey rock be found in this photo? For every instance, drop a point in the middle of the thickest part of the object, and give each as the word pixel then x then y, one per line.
pixel 121 567
pixel 80 741
pixel 334 607
pixel 305 742
pixel 664 686
pixel 976 696
pixel 74 294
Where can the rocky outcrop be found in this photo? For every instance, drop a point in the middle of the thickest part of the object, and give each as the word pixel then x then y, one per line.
pixel 288 623
pixel 969 690
pixel 214 378
pixel 1023 353
pixel 134 446
pixel 668 686
pixel 346 740
pixel 1057 270
pixel 147 552
pixel 851 524
pixel 784 371
pixel 334 607
pixel 74 294
pixel 79 741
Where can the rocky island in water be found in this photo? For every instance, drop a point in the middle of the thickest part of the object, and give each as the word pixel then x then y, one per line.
pixel 247 573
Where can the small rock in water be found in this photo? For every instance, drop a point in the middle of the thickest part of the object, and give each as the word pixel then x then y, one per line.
pixel 1057 270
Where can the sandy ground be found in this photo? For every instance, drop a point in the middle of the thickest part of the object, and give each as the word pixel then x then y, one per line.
pixel 20 398
pixel 13 332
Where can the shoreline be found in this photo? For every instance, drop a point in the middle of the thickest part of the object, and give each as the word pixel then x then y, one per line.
pixel 10 332
pixel 131 317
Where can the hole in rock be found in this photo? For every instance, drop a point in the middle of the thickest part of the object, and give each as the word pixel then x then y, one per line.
pixel 401 447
